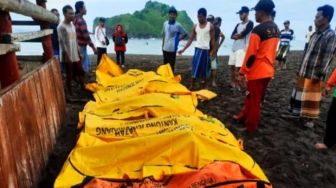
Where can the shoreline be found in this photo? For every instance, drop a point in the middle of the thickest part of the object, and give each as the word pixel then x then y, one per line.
pixel 38 57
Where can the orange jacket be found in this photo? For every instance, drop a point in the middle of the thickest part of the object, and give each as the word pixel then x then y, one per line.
pixel 261 52
pixel 332 80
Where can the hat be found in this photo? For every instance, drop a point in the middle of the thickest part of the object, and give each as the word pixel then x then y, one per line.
pixel 218 19
pixel 265 5
pixel 102 20
pixel 172 10
pixel 210 18
pixel 243 9
pixel 287 22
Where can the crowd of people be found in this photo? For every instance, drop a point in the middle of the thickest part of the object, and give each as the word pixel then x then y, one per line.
pixel 252 61
pixel 71 39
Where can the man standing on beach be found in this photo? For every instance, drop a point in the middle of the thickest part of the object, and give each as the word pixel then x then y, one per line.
pixel 54 37
pixel 286 36
pixel 172 34
pixel 258 66
pixel 83 35
pixel 101 42
pixel 69 51
pixel 219 39
pixel 306 96
pixel 309 33
pixel 240 35
pixel 204 33
pixel 330 133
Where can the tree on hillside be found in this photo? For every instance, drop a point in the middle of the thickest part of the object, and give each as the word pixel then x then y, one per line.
pixel 146 23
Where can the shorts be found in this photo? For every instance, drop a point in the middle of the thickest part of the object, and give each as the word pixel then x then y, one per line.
pixel 214 63
pixel 282 52
pixel 237 58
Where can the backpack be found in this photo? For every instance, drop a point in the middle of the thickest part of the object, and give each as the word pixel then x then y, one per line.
pixel 119 41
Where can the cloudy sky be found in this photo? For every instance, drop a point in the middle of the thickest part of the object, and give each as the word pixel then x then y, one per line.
pixel 301 13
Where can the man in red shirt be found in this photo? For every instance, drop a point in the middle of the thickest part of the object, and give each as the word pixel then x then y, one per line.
pixel 83 35
pixel 258 66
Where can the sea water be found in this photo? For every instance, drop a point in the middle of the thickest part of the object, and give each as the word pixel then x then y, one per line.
pixel 147 47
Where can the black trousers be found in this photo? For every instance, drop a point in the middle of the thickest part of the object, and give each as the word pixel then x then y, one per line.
pixel 120 57
pixel 100 52
pixel 330 135
pixel 169 57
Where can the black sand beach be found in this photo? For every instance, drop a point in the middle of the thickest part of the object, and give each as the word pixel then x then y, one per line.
pixel 283 148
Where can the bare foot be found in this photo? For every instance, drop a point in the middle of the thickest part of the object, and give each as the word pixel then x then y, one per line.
pixel 320 146
pixel 238 118
pixel 214 84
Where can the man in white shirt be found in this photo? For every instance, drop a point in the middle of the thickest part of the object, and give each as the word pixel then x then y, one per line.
pixel 240 35
pixel 101 42
pixel 204 33
pixel 309 33
pixel 69 50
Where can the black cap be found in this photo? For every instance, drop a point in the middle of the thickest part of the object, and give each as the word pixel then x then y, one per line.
pixel 218 19
pixel 210 18
pixel 243 9
pixel 102 20
pixel 265 5
pixel 172 10
pixel 287 22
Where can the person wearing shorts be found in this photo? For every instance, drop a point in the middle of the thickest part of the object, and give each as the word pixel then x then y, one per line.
pixel 258 66
pixel 219 39
pixel 241 35
pixel 286 36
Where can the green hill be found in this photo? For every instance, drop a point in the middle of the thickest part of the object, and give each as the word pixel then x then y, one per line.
pixel 146 23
